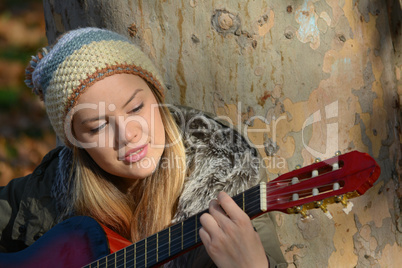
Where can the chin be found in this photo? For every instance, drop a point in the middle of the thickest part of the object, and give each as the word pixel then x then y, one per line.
pixel 135 173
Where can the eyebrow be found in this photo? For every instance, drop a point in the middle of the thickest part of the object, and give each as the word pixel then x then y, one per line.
pixel 132 96
pixel 103 117
pixel 92 119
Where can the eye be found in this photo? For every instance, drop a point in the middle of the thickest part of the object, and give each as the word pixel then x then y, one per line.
pixel 138 108
pixel 96 130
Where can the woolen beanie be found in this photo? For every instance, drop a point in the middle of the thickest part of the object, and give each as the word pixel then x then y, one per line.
pixel 76 61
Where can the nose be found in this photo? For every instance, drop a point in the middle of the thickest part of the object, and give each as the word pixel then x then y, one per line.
pixel 131 129
pixel 126 130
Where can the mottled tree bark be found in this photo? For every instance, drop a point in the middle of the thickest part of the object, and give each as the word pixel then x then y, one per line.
pixel 300 79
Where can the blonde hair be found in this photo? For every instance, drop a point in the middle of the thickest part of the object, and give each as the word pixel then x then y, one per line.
pixel 149 205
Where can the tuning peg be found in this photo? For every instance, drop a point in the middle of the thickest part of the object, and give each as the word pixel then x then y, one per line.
pixel 299 210
pixel 341 199
pixel 335 166
pixel 347 205
pixel 323 207
pixel 302 211
pixel 315 191
pixel 336 186
pixel 328 214
pixel 320 204
pixel 295 196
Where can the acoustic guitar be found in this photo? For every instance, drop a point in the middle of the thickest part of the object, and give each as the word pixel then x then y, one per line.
pixel 81 241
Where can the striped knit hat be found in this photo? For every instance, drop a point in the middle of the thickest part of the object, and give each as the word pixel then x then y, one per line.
pixel 79 59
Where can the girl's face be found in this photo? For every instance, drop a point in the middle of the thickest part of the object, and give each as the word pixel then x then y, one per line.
pixel 117 121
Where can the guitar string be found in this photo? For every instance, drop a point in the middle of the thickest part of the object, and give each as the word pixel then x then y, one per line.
pixel 273 187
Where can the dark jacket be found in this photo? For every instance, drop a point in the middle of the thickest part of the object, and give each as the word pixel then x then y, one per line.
pixel 31 205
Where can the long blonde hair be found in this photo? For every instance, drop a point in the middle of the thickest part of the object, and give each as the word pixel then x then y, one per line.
pixel 149 205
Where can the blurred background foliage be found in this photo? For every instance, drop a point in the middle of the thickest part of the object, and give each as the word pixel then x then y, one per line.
pixel 25 132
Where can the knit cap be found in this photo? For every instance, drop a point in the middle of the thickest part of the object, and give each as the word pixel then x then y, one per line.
pixel 77 60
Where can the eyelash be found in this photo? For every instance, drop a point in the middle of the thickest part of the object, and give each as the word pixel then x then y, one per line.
pixel 136 109
pixel 96 130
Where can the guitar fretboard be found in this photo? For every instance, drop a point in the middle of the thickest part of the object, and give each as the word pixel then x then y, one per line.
pixel 173 240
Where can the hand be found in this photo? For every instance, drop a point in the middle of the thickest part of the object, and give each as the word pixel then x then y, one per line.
pixel 229 236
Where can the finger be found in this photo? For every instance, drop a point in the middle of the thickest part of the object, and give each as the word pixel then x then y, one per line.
pixel 205 237
pixel 218 213
pixel 230 207
pixel 209 224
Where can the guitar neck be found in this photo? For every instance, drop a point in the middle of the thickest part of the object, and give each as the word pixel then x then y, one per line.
pixel 176 239
pixel 331 181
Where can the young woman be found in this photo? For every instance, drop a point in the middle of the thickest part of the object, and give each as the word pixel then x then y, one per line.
pixel 125 162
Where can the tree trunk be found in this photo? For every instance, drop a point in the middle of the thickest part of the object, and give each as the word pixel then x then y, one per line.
pixel 300 79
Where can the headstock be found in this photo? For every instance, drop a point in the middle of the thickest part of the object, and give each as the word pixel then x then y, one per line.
pixel 335 180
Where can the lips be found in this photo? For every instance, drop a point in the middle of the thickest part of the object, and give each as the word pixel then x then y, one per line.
pixel 136 154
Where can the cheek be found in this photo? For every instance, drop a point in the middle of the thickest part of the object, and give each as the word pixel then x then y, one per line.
pixel 94 154
pixel 98 155
pixel 160 131
pixel 78 133
pixel 75 130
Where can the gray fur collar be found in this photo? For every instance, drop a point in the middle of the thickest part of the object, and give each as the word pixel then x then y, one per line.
pixel 218 159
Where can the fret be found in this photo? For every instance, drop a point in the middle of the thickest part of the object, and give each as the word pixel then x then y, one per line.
pixel 124 253
pixel 170 241
pixel 196 229
pixel 163 244
pixel 182 223
pixel 244 208
pixel 157 247
pixel 145 252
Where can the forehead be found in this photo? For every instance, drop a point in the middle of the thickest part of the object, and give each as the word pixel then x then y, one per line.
pixel 114 89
